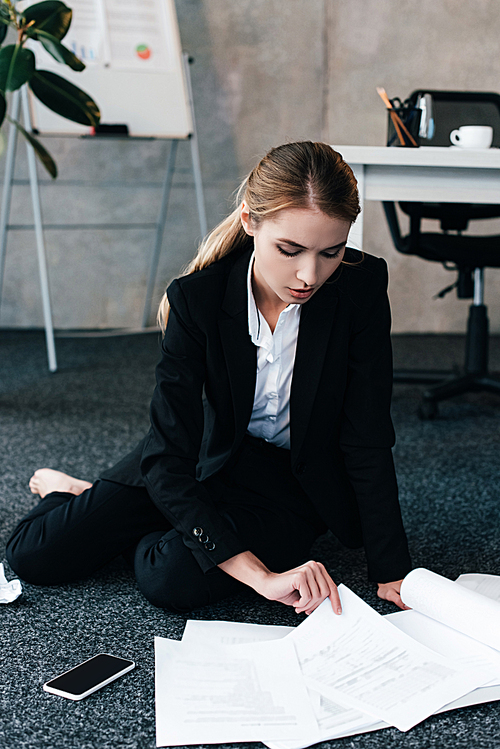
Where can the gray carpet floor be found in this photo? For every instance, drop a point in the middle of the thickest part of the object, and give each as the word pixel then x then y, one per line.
pixel 84 417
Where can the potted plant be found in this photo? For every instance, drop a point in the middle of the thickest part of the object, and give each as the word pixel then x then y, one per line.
pixel 47 23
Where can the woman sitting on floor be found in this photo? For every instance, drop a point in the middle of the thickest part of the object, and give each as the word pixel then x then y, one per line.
pixel 270 421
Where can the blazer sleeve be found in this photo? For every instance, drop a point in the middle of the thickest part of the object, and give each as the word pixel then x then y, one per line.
pixel 367 435
pixel 171 451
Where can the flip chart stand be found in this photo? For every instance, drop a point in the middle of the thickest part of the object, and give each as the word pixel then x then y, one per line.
pixel 167 185
pixel 22 96
pixel 18 97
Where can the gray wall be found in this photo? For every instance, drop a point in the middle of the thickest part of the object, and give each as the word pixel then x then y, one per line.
pixel 266 71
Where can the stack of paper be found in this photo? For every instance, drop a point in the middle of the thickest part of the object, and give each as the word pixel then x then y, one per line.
pixel 332 676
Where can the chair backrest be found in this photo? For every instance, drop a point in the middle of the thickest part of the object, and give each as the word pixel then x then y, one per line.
pixel 452 109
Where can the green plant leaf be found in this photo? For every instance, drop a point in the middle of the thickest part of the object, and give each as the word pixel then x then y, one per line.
pixel 64 98
pixel 5 21
pixel 17 65
pixel 51 16
pixel 43 155
pixel 3 107
pixel 59 52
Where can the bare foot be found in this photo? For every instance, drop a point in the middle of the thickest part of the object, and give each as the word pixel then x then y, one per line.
pixel 45 480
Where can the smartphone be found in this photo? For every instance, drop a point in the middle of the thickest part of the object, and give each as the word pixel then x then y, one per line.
pixel 89 676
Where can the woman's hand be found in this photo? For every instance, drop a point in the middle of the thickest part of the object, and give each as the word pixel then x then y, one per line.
pixel 391 592
pixel 304 587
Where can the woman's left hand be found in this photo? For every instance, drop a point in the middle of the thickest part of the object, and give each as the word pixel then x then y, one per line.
pixel 391 592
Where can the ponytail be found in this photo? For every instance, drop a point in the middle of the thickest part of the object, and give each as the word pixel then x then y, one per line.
pixel 227 236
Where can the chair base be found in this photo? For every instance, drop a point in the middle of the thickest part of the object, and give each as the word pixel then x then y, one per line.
pixel 419 376
pixel 455 386
pixel 475 377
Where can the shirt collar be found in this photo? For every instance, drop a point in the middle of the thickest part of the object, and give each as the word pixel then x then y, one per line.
pixel 257 326
pixel 254 326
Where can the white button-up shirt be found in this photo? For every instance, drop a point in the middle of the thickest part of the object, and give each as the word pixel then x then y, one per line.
pixel 270 417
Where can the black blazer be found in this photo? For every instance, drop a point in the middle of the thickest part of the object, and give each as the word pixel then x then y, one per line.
pixel 340 424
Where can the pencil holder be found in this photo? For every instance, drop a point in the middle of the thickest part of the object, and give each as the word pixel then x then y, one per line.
pixel 410 117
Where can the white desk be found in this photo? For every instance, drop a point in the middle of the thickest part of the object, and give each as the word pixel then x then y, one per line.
pixel 442 175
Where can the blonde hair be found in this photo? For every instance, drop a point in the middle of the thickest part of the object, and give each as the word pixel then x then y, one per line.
pixel 295 175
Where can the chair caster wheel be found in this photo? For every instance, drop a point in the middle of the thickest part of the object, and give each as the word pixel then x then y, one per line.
pixel 428 410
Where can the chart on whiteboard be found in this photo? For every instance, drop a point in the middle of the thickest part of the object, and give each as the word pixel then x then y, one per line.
pixel 138 40
pixel 115 34
pixel 86 38
pixel 134 68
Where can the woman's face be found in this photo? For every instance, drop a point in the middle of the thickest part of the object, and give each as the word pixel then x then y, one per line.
pixel 295 253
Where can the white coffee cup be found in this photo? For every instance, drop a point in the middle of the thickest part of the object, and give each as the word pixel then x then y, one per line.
pixel 472 136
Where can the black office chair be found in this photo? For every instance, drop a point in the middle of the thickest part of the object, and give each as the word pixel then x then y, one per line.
pixel 466 254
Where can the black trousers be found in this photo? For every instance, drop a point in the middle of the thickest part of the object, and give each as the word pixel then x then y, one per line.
pixel 66 538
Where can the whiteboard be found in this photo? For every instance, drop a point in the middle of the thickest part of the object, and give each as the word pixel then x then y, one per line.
pixel 135 70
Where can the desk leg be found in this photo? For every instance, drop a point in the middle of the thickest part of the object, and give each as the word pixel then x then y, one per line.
pixel 356 233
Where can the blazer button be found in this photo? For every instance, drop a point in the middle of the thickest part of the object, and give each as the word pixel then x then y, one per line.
pixel 197 532
pixel 204 538
pixel 210 546
pixel 301 468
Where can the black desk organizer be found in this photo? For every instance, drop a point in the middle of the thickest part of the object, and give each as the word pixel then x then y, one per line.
pixel 410 116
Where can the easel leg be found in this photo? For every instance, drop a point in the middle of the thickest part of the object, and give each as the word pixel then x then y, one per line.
pixel 195 153
pixel 195 156
pixel 10 160
pixel 167 185
pixel 160 228
pixel 42 260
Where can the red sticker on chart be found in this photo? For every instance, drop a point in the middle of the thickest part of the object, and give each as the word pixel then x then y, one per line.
pixel 143 51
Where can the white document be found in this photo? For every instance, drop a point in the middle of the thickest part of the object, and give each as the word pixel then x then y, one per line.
pixel 116 34
pixel 9 591
pixel 486 585
pixel 232 633
pixel 362 661
pixel 454 605
pixel 446 641
pixel 85 37
pixel 228 694
pixel 334 720
pixel 139 41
